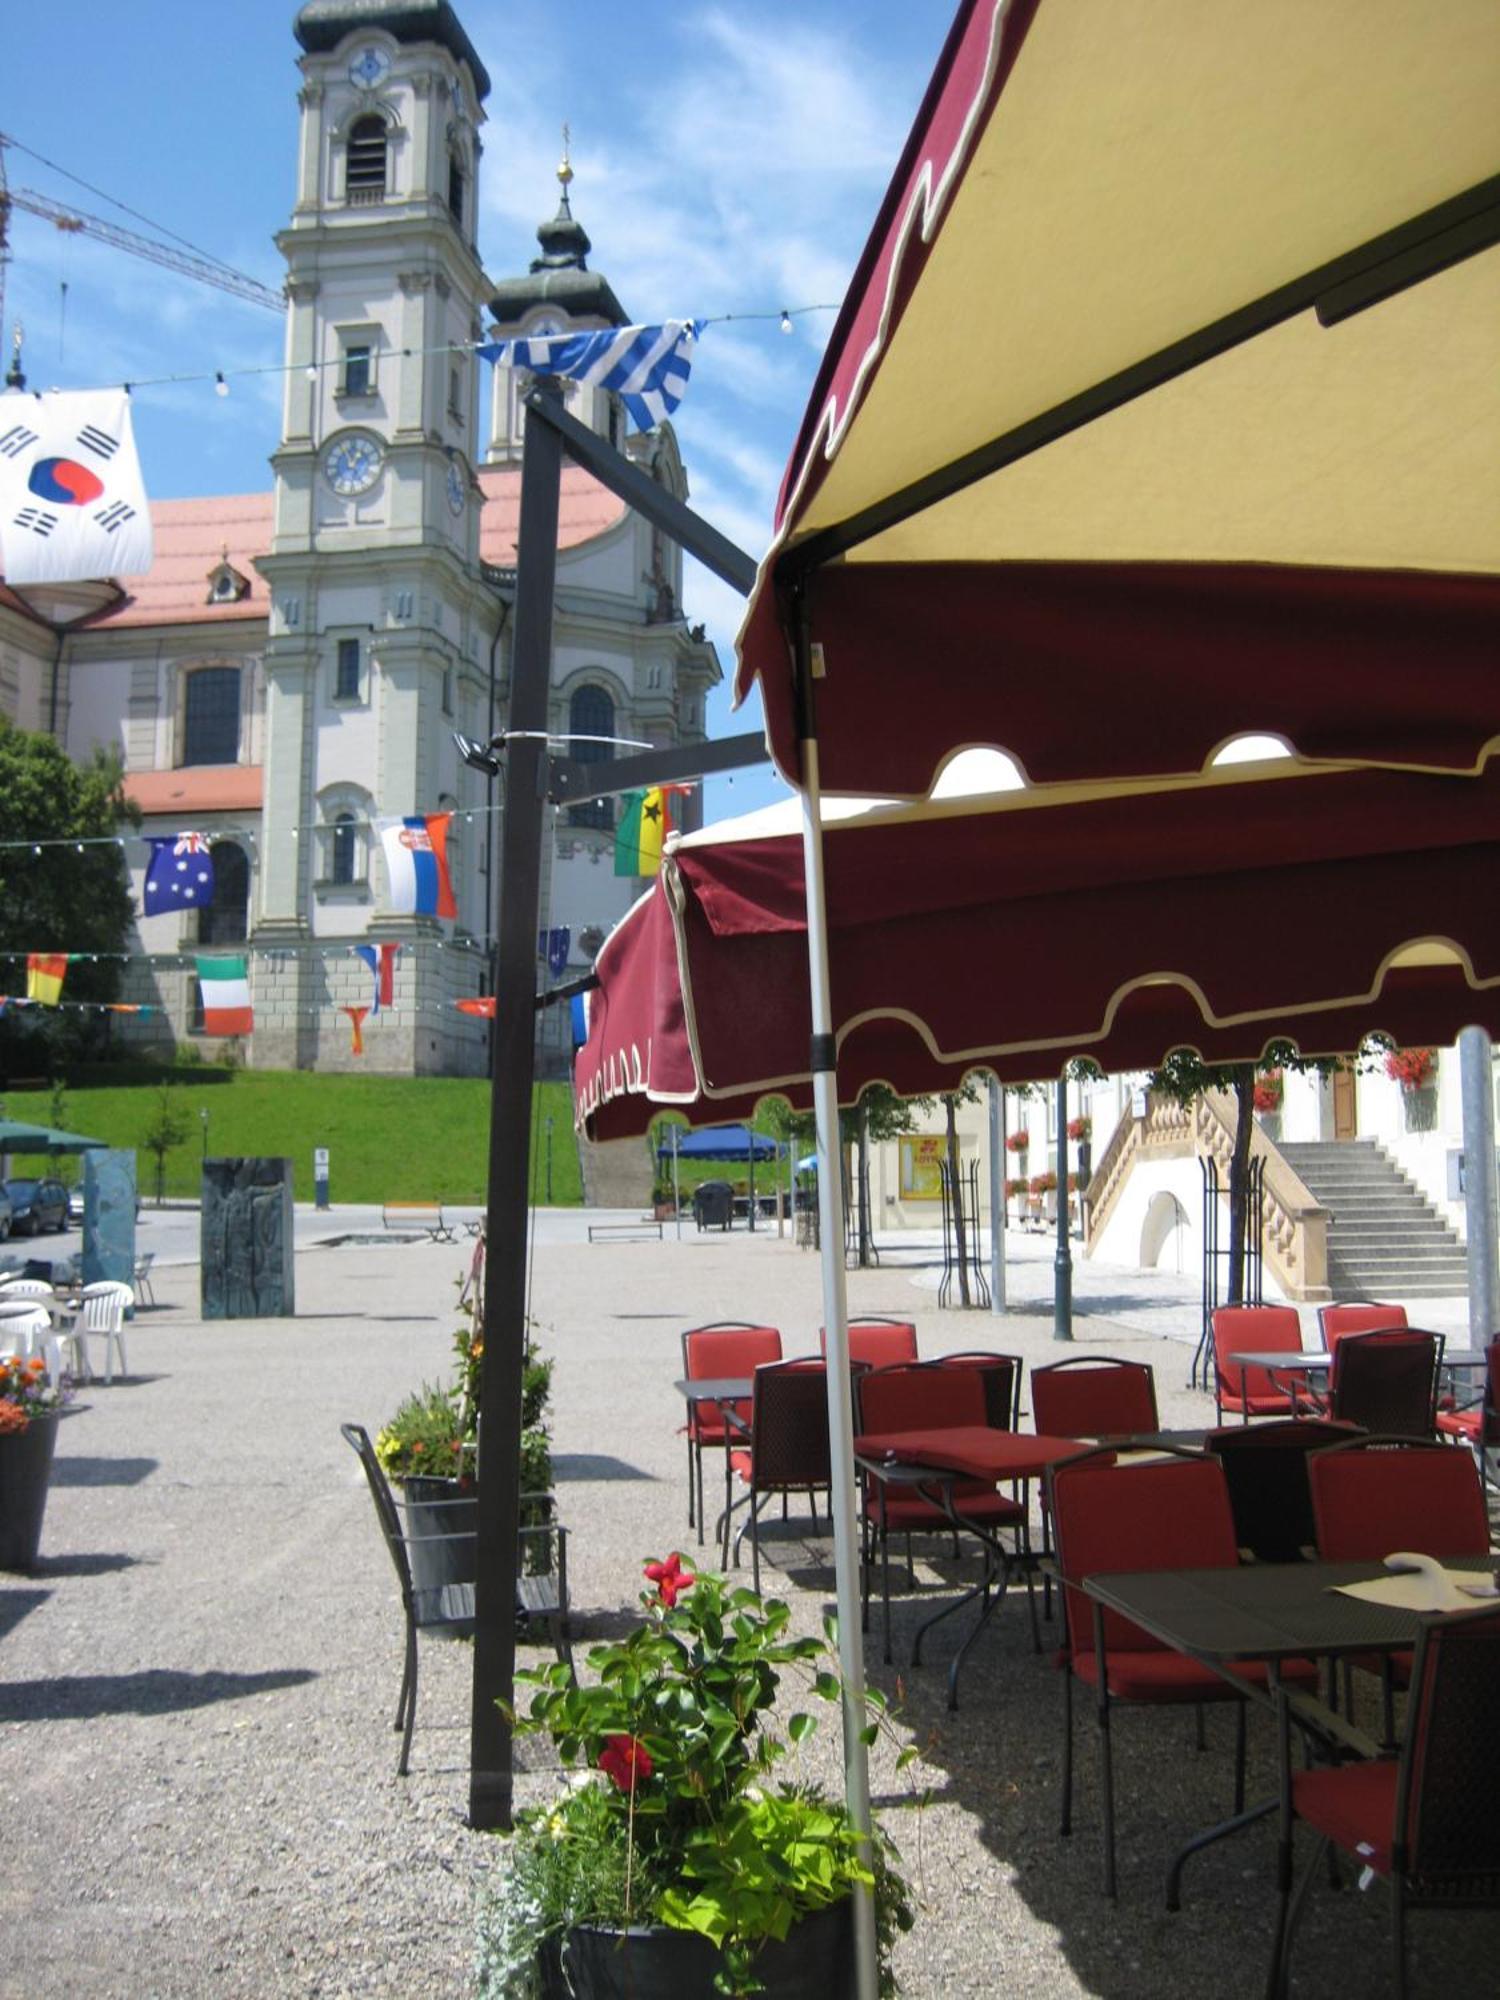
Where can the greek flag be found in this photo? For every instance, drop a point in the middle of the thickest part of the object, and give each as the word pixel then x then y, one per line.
pixel 646 366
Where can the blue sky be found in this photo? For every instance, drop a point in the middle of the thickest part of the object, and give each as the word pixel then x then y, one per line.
pixel 726 161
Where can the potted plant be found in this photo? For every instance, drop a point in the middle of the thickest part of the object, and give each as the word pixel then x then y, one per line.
pixel 663 1201
pixel 428 1449
pixel 1080 1129
pixel 1416 1072
pixel 29 1406
pixel 673 1863
pixel 1017 1142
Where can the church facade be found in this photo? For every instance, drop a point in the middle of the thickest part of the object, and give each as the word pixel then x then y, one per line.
pixel 292 669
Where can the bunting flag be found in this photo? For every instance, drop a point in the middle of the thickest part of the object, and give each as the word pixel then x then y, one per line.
pixel 416 864
pixel 180 871
pixel 554 946
pixel 647 367
pixel 72 505
pixel 45 973
pixel 226 996
pixel 381 959
pixel 644 824
pixel 357 1023
pixel 484 1006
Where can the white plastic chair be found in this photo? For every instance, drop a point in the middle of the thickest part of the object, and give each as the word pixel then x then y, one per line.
pixel 26 1288
pixel 144 1295
pixel 102 1315
pixel 26 1330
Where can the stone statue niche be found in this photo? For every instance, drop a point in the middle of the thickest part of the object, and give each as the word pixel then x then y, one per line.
pixel 247 1240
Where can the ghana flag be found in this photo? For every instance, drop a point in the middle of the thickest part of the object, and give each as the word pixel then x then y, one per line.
pixel 642 829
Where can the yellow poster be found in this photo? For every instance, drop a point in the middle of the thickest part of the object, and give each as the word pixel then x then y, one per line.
pixel 922 1167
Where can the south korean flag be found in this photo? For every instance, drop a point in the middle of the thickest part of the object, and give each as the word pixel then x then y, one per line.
pixel 72 505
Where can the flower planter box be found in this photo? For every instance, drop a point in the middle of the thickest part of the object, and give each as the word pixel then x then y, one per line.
pixel 815 1963
pixel 25 1473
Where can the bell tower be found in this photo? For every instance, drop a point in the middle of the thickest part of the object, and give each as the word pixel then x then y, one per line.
pixel 381 624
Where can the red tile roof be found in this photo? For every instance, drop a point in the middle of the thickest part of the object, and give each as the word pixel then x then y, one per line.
pixel 200 788
pixel 193 536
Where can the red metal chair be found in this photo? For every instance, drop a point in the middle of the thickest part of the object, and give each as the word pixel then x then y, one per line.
pixel 1479 1427
pixel 1425 1819
pixel 1254 1392
pixel 726 1349
pixel 877 1342
pixel 1387 1382
pixel 1092 1396
pixel 925 1395
pixel 1266 1466
pixel 787 1447
pixel 1373 1497
pixel 1166 1513
pixel 1001 1376
pixel 1363 1316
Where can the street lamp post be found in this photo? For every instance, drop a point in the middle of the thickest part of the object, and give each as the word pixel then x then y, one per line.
pixel 203 1114
pixel 549 1162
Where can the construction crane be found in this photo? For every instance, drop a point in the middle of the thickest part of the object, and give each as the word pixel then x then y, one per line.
pixel 75 222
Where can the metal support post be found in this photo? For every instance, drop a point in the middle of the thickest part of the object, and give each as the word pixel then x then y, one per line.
pixel 1477 1078
pixel 1062 1298
pixel 997 1196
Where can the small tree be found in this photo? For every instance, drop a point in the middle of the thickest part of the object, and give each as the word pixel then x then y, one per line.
pixel 168 1127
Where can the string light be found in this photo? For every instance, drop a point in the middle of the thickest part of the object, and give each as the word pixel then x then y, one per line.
pixel 786 327
pixel 221 387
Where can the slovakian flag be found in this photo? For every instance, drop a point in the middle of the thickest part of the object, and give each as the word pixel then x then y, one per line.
pixel 381 959
pixel 643 827
pixel 45 973
pixel 180 872
pixel 416 864
pixel 225 983
pixel 357 1023
pixel 72 504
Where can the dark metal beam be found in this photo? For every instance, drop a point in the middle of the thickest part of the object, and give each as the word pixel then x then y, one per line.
pixel 1397 258
pixel 567 779
pixel 638 490
pixel 512 1075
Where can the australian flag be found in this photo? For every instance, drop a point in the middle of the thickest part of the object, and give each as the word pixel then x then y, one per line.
pixel 180 873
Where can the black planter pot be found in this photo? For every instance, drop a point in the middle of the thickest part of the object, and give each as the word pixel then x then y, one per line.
pixel 25 1471
pixel 815 1963
pixel 443 1520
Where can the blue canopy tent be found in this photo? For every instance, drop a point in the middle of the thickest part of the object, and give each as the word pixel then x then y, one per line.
pixel 721 1142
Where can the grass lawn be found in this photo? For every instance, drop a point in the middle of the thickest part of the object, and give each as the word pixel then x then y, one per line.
pixel 406 1138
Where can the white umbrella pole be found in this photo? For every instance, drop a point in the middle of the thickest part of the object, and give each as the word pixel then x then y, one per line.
pixel 846 1554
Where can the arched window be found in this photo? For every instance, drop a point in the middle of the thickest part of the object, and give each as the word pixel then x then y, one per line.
pixel 344 850
pixel 365 167
pixel 456 189
pixel 226 920
pixel 211 716
pixel 591 713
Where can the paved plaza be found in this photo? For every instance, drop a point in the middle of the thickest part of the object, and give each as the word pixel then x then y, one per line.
pixel 198 1783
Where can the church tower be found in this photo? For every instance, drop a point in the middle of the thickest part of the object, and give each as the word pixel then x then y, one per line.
pixel 382 623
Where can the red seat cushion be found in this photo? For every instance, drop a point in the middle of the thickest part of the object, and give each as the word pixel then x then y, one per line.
pixel 1354 1804
pixel 1465 1424
pixel 911 1510
pixel 1160 1676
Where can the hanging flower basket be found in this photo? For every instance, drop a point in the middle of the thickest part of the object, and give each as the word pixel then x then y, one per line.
pixel 1268 1093
pixel 1017 1142
pixel 1080 1129
pixel 1043 1184
pixel 1413 1069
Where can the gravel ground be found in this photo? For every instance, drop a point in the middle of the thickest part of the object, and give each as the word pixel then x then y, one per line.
pixel 197 1779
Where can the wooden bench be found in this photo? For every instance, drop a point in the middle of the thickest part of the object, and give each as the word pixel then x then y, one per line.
pixel 625 1232
pixel 423 1215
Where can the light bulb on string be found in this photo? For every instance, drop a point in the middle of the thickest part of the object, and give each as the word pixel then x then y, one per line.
pixel 786 321
pixel 221 387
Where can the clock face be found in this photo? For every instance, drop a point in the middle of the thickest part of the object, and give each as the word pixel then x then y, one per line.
pixel 455 490
pixel 352 464
pixel 369 67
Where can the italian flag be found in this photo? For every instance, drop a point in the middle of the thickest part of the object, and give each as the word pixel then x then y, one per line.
pixel 226 996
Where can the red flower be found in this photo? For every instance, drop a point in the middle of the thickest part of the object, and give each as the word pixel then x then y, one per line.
pixel 624 1759
pixel 670 1580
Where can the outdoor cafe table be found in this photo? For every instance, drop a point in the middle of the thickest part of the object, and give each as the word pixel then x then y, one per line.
pixel 1314 1361
pixel 1265 1611
pixel 930 1461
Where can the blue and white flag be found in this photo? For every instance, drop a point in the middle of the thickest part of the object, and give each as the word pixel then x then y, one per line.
pixel 578 1007
pixel 554 945
pixel 72 505
pixel 646 366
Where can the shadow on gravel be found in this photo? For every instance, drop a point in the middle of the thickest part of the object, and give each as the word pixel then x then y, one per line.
pixel 157 1692
pixel 70 1471
pixel 14 1605
pixel 103 1563
pixel 593 1465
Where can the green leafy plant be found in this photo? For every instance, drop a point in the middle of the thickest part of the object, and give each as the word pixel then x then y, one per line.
pixel 673 1817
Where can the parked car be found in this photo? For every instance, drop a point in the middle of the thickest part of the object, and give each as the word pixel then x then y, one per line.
pixel 37 1205
pixel 4 1215
pixel 75 1208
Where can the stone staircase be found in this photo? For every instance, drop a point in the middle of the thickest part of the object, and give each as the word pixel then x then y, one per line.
pixel 1384 1240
